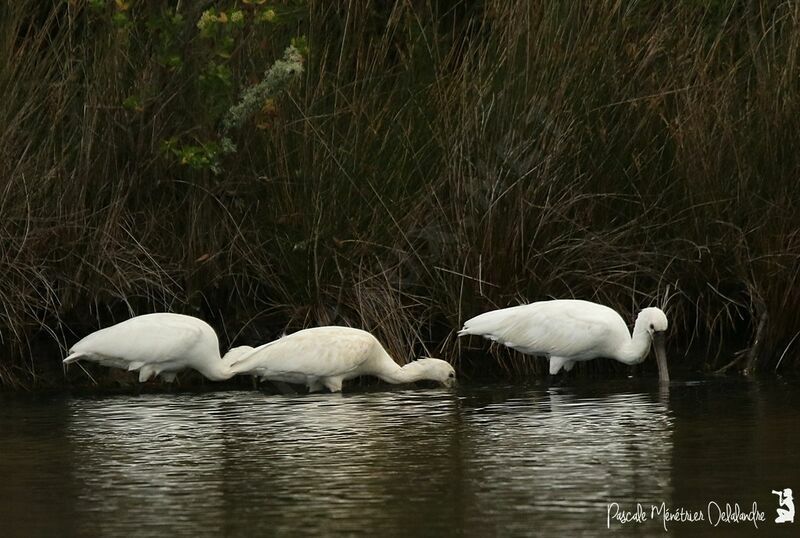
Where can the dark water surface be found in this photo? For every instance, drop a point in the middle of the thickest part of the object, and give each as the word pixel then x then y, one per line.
pixel 492 460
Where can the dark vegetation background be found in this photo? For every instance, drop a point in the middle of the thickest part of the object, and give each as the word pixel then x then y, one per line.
pixel 432 161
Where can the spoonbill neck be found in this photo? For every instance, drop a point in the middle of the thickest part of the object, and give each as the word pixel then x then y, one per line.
pixel 635 349
pixel 391 372
pixel 215 369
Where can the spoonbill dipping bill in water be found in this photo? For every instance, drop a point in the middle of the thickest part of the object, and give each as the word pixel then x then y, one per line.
pixel 326 356
pixel 155 344
pixel 569 330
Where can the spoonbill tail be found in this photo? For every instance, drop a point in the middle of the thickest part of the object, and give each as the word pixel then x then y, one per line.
pixel 327 356
pixel 155 344
pixel 569 330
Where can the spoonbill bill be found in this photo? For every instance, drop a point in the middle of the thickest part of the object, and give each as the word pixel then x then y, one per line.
pixel 568 330
pixel 326 356
pixel 155 344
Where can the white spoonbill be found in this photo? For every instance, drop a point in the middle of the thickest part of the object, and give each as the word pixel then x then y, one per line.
pixel 155 344
pixel 569 330
pixel 326 356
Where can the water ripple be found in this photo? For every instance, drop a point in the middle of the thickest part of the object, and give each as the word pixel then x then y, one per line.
pixel 479 461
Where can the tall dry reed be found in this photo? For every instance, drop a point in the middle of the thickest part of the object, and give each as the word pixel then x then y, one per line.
pixel 434 160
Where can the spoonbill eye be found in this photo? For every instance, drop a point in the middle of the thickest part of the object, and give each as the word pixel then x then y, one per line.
pixel 652 327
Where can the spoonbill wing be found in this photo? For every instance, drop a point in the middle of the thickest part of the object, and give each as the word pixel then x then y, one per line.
pixel 318 352
pixel 147 339
pixel 562 328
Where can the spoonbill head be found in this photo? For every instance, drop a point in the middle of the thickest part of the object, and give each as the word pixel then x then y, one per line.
pixel 570 330
pixel 326 356
pixel 433 370
pixel 656 322
pixel 155 344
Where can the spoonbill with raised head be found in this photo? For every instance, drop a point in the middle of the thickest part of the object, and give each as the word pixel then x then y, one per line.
pixel 570 330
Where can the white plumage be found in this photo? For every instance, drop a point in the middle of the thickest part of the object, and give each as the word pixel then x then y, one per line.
pixel 327 356
pixel 568 330
pixel 155 344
